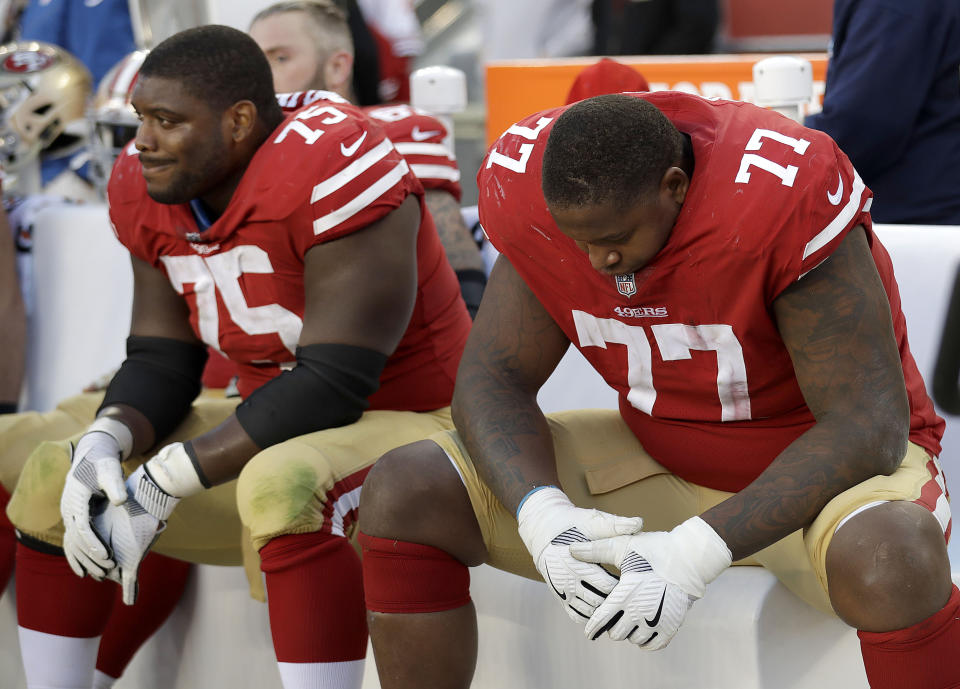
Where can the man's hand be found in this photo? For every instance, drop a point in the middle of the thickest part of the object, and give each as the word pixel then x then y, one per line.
pixel 548 524
pixel 151 492
pixel 94 473
pixel 130 530
pixel 661 575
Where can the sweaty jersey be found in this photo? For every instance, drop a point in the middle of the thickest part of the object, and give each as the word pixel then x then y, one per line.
pixel 325 172
pixel 690 342
pixel 417 135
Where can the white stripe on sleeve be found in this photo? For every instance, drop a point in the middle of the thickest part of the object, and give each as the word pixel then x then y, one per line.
pixel 411 149
pixel 362 200
pixel 435 172
pixel 836 225
pixel 351 171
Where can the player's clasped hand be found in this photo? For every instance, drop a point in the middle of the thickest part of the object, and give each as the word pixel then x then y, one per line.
pixel 131 528
pixel 661 575
pixel 94 472
pixel 548 524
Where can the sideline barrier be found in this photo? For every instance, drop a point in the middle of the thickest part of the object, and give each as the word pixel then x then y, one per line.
pixel 517 88
pixel 747 633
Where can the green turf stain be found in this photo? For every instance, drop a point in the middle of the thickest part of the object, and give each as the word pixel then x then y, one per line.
pixel 284 494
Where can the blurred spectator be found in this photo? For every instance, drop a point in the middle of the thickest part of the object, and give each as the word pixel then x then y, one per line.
pixel 99 34
pixel 396 29
pixel 307 43
pixel 654 27
pixel 892 103
pixel 606 76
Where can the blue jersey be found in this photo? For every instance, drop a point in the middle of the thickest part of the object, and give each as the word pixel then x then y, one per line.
pixel 98 32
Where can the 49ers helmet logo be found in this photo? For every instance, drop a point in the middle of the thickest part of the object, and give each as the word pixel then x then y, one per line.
pixel 27 61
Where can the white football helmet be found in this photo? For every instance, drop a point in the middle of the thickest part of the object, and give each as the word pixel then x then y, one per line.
pixel 43 98
pixel 113 121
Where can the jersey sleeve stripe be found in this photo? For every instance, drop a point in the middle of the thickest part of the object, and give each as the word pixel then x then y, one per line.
pixel 843 218
pixel 435 172
pixel 408 149
pixel 362 200
pixel 352 171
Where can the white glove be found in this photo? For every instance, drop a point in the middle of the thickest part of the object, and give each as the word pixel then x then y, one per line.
pixel 661 575
pixel 94 474
pixel 548 524
pixel 132 527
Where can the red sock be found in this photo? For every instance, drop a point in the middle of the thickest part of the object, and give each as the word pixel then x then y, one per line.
pixel 162 581
pixel 315 595
pixel 8 541
pixel 923 656
pixel 54 600
pixel 401 577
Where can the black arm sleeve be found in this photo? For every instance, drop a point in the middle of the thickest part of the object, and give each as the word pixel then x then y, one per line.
pixel 328 387
pixel 472 284
pixel 160 378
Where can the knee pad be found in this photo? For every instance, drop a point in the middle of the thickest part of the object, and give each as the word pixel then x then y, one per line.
pixel 34 506
pixel 401 577
pixel 291 488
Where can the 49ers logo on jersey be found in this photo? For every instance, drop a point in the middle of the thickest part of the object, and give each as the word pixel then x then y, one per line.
pixel 24 61
pixel 626 285
pixel 641 311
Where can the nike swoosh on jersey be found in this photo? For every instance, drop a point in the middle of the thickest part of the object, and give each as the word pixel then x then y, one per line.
pixel 834 198
pixel 656 618
pixel 352 148
pixel 417 135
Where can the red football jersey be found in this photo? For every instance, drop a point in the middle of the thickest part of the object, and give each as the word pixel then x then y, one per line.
pixel 421 139
pixel 325 172
pixel 690 342
pixel 417 135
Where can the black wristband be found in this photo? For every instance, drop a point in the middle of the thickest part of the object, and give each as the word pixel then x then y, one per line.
pixel 8 407
pixel 195 461
pixel 328 387
pixel 472 284
pixel 160 378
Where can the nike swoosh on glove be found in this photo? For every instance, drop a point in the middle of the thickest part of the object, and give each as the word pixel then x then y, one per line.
pixel 548 523
pixel 661 575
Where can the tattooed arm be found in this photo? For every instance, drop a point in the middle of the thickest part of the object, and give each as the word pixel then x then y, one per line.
pixel 836 325
pixel 458 244
pixel 513 348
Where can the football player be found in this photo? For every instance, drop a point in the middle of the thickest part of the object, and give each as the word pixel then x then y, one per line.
pixel 716 264
pixel 309 47
pixel 300 247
